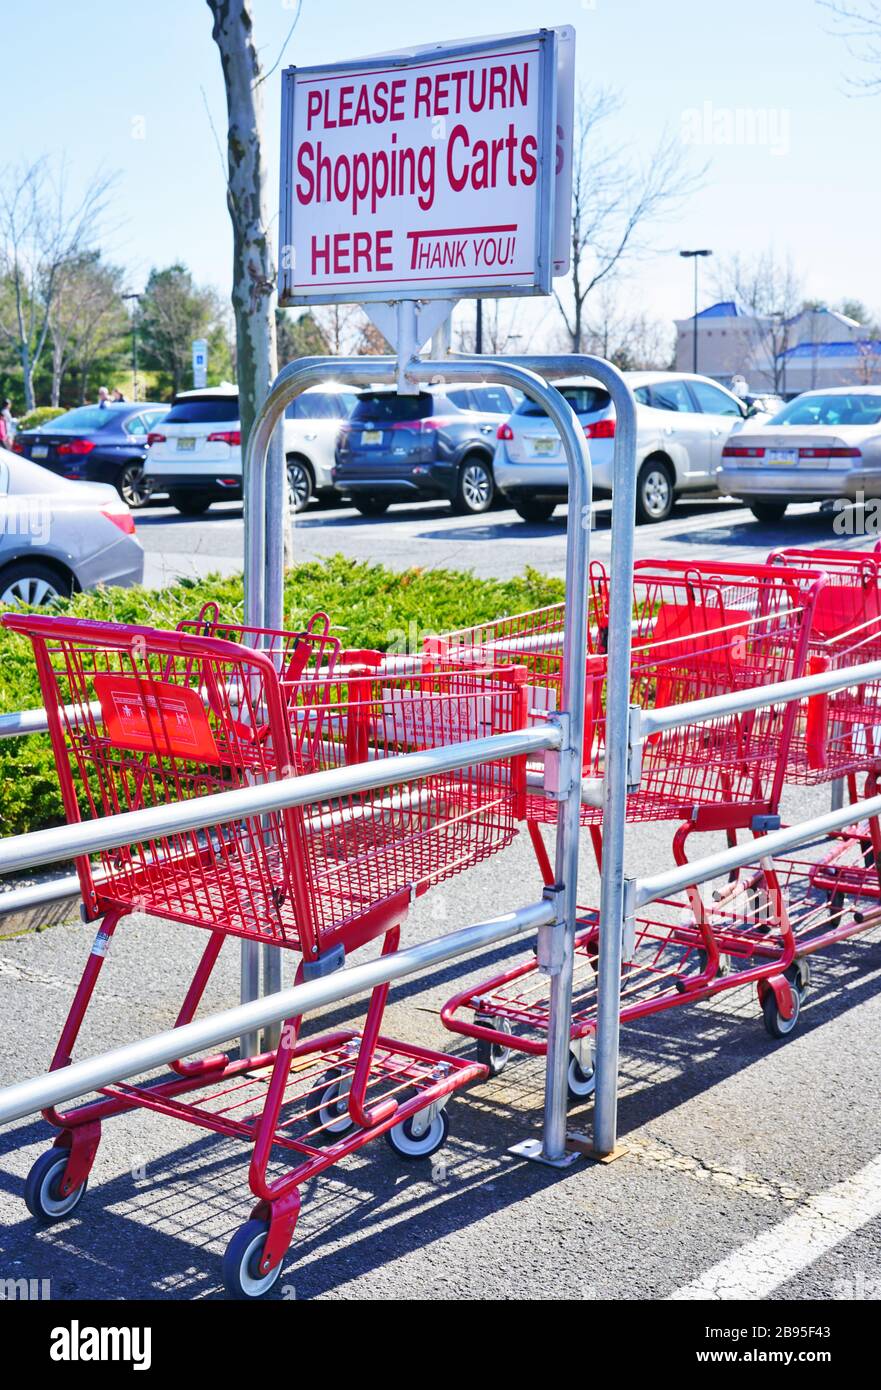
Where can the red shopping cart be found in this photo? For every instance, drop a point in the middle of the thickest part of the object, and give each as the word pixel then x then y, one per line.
pixel 142 718
pixel 839 735
pixel 699 630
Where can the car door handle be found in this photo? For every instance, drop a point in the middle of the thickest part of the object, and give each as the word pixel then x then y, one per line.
pixel 486 429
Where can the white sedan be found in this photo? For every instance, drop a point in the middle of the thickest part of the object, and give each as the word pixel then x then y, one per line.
pixel 822 445
pixel 683 422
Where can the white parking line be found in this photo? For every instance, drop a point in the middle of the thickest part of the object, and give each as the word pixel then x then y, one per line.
pixel 761 1266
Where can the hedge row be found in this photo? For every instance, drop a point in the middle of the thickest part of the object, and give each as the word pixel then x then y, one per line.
pixel 370 606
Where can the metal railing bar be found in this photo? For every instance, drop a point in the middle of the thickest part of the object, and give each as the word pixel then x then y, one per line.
pixel 39 894
pixel 109 832
pixel 653 886
pixel 741 701
pixel 80 1078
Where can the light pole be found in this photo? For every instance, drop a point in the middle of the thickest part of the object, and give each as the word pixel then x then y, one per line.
pixel 137 299
pixel 693 255
pixel 478 328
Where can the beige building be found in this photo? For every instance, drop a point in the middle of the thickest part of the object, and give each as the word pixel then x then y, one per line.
pixel 814 348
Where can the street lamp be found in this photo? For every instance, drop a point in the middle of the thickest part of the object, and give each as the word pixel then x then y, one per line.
pixel 693 255
pixel 137 298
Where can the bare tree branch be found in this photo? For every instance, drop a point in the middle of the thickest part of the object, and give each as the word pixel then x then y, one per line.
pixel 858 23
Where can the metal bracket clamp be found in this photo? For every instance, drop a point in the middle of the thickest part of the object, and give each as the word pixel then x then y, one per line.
pixel 325 964
pixel 558 761
pixel 634 748
pixel 763 824
pixel 549 942
pixel 628 921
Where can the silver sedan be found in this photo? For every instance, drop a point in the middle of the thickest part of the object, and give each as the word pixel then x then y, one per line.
pixel 822 445
pixel 57 536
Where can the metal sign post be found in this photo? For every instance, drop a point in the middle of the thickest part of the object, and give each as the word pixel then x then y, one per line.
pixel 388 168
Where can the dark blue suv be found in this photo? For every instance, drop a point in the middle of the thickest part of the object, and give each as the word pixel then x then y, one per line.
pixel 437 445
pixel 98 443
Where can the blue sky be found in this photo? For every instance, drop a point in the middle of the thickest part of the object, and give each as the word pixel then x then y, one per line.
pixel 89 80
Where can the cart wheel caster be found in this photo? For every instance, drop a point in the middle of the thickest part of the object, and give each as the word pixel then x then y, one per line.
pixel 579 1082
pixel 495 1056
pixel 799 977
pixel 42 1191
pixel 410 1147
pixel 333 1105
pixel 241 1262
pixel 776 1024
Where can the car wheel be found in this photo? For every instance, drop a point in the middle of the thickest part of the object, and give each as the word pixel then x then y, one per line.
pixel 654 492
pixel 768 511
pixel 190 503
pixel 474 488
pixel 299 485
pixel 34 584
pixel 371 506
pixel 133 486
pixel 535 511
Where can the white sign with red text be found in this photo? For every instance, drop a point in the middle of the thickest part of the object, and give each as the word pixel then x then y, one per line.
pixel 427 175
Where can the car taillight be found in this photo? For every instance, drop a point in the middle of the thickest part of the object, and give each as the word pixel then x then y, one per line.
pixel 76 446
pixel 738 451
pixel 504 431
pixel 225 437
pixel 600 429
pixel 124 520
pixel 830 453
pixel 154 437
pixel 18 446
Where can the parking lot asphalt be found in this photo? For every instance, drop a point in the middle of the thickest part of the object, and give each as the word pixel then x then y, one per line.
pixel 730 1137
pixel 495 545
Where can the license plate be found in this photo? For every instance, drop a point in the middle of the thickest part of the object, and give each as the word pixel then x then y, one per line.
pixel 785 456
pixel 544 446
pixel 40 451
pixel 371 436
pixel 186 443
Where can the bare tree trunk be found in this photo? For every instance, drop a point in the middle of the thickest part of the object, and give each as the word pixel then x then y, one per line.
pixel 253 293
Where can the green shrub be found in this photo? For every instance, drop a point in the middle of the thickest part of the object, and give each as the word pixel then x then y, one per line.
pixel 41 416
pixel 369 605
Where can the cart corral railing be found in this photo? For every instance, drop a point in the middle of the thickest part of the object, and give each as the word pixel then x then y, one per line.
pixel 63 842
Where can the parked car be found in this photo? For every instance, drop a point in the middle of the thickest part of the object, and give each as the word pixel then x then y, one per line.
pixel 435 445
pixel 311 428
pixel 196 455
pixel 57 535
pixel 97 444
pixel 683 422
pixel 822 445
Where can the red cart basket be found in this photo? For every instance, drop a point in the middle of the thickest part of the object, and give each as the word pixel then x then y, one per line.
pixel 140 718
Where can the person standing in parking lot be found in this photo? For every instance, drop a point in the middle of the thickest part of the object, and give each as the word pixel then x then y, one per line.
pixel 103 396
pixel 7 427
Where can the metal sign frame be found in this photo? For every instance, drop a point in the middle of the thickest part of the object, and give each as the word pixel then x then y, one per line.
pixel 264 579
pixel 547 41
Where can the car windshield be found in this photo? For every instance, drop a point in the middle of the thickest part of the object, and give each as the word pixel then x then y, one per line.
pixel 85 418
pixel 584 400
pixel 204 410
pixel 842 409
pixel 379 407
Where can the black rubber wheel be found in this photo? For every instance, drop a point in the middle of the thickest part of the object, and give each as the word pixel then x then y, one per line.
pixel 535 511
pixel 580 1083
pixel 299 485
pixel 495 1056
pixel 241 1262
pixel 333 1108
pixel 133 486
pixel 654 492
pixel 190 503
pixel 371 506
pixel 777 1026
pixel 402 1142
pixel 768 511
pixel 42 1190
pixel 475 488
pixel 33 583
